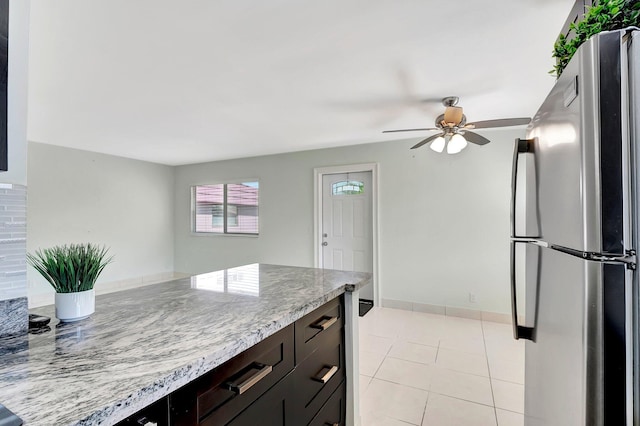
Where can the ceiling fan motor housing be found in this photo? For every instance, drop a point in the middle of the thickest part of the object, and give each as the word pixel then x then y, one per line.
pixel 450 101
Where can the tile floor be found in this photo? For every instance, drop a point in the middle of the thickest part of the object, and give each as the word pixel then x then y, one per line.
pixel 434 370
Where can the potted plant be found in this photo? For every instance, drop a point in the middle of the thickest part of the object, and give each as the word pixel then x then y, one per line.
pixel 605 15
pixel 72 271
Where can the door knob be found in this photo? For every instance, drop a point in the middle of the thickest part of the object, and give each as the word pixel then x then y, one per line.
pixel 324 243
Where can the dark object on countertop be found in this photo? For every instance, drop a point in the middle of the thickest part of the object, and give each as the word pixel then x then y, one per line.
pixel 39 330
pixel 37 321
pixel 365 306
pixel 7 418
pixel 38 324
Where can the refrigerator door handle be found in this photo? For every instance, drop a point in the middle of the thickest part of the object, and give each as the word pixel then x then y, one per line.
pixel 628 259
pixel 521 146
pixel 519 331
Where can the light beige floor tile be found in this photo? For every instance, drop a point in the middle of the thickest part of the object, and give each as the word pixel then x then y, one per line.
pixel 508 396
pixel 506 370
pixel 375 344
pixel 428 318
pixel 376 327
pixel 494 330
pixel 463 327
pixel 496 356
pixel 369 420
pixel 445 411
pixel 470 325
pixel 413 352
pixel 391 315
pixel 460 393
pixel 370 362
pixel 415 333
pixel 406 373
pixel 462 385
pixel 395 401
pixel 425 316
pixel 507 418
pixel 501 350
pixel 384 322
pixel 472 346
pixel 364 384
pixel 463 362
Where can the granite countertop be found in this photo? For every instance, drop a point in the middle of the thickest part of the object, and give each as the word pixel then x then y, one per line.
pixel 143 344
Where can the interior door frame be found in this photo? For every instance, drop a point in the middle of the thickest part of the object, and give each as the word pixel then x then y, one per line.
pixel 318 173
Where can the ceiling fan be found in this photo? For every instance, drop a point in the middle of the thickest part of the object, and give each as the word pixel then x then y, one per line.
pixel 455 131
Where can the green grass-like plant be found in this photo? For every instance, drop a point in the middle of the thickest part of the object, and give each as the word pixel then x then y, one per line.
pixel 606 15
pixel 70 268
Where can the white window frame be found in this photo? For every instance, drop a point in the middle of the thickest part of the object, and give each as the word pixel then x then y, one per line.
pixel 224 227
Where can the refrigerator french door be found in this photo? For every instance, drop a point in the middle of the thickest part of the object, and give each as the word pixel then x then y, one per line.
pixel 574 232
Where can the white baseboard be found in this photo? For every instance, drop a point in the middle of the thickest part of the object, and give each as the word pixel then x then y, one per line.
pixel 449 310
pixel 43 299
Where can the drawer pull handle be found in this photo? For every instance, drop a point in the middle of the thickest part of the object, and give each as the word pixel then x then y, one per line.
pixel 255 378
pixel 332 424
pixel 143 421
pixel 324 323
pixel 328 375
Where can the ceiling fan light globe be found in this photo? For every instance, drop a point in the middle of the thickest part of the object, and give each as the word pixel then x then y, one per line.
pixel 456 144
pixel 438 144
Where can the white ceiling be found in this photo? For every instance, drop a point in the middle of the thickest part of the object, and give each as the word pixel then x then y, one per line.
pixel 178 82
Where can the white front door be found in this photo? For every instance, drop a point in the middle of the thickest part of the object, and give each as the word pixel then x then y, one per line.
pixel 347 241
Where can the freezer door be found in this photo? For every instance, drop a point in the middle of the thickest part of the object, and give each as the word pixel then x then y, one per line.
pixel 634 107
pixel 576 364
pixel 577 141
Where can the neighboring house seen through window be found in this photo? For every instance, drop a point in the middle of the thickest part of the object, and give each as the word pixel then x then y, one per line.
pixel 228 208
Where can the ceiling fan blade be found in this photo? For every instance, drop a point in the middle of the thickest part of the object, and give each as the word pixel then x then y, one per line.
pixel 475 138
pixel 409 130
pixel 501 122
pixel 453 114
pixel 427 140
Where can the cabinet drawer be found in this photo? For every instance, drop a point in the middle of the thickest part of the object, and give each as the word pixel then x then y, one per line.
pixel 311 327
pixel 156 413
pixel 319 375
pixel 332 413
pixel 223 393
pixel 271 409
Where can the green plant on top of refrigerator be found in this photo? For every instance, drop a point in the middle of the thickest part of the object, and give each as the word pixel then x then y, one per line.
pixel 606 15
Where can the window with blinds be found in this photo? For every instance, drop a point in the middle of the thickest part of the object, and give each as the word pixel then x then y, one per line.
pixel 226 208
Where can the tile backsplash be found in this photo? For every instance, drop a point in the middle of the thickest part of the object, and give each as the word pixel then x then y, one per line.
pixel 13 266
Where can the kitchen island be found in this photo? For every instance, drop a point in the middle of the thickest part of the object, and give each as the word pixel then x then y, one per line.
pixel 143 344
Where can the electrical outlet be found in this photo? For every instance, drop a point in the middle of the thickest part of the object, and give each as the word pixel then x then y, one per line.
pixel 472 298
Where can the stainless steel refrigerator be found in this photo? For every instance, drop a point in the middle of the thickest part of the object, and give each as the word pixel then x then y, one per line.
pixel 573 243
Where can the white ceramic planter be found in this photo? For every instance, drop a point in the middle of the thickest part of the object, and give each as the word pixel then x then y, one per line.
pixel 75 306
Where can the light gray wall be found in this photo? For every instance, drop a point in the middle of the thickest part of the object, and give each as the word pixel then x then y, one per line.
pixel 444 220
pixel 79 196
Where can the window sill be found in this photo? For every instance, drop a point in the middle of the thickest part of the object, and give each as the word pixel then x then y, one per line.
pixel 215 234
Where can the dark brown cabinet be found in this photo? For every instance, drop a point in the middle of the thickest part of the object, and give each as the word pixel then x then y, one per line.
pixel 220 395
pixel 294 377
pixel 319 359
pixel 274 408
pixel 333 411
pixel 156 414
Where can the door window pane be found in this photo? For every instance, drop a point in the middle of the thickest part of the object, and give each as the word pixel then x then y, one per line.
pixel 347 187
